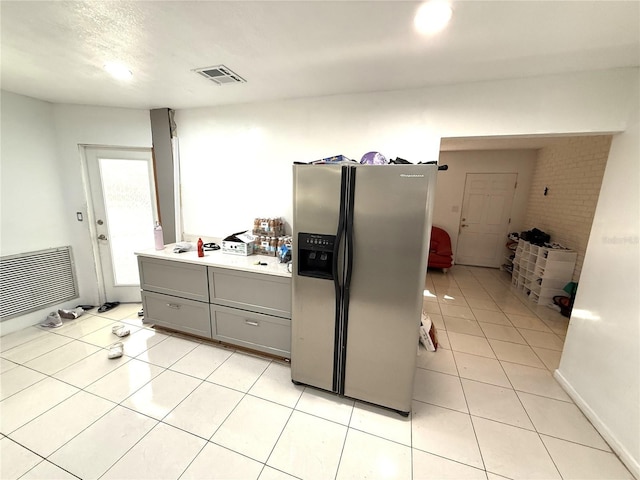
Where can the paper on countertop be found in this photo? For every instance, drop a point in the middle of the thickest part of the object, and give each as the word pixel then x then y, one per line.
pixel 181 247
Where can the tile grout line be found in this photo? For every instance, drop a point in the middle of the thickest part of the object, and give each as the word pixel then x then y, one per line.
pixel 527 413
pixel 44 459
pixel 115 404
pixel 264 464
pixel 159 421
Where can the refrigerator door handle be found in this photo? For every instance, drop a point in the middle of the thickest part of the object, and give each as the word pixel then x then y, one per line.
pixel 351 189
pixel 337 276
pixel 349 231
pixel 340 234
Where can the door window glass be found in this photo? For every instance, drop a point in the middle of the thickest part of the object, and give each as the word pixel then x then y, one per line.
pixel 126 187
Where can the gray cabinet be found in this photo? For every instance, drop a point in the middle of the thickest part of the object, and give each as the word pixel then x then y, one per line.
pixel 256 292
pixel 177 313
pixel 176 278
pixel 175 295
pixel 251 310
pixel 257 331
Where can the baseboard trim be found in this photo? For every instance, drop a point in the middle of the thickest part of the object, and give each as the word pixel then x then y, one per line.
pixel 625 457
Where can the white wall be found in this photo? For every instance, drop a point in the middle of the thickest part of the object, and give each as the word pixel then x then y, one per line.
pixel 32 200
pixel 600 365
pixel 32 196
pixel 42 184
pixel 450 189
pixel 235 160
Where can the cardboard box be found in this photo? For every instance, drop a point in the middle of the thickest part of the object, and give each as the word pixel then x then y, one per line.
pixel 239 243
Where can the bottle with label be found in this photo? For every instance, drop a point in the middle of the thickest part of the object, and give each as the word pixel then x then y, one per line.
pixel 158 236
pixel 200 248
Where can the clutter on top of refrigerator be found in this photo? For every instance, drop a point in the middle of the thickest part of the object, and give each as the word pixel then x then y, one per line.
pixel 334 159
pixel 374 158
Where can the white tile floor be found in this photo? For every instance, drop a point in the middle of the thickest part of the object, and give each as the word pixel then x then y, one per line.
pixel 485 404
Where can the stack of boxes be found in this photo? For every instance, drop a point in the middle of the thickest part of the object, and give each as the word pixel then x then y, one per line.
pixel 269 233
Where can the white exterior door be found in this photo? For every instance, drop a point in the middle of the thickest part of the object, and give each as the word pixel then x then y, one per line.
pixel 484 223
pixel 124 208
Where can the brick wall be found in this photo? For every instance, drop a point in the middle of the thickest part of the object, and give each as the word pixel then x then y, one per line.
pixel 572 169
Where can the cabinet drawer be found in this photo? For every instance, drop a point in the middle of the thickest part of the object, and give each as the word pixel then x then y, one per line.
pixel 177 313
pixel 252 330
pixel 174 278
pixel 251 291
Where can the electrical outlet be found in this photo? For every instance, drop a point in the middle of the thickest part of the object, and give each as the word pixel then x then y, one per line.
pixel 79 216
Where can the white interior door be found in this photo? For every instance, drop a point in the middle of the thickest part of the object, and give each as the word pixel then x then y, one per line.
pixel 124 209
pixel 484 223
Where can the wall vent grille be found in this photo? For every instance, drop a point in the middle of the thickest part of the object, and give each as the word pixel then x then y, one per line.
pixel 35 280
pixel 220 75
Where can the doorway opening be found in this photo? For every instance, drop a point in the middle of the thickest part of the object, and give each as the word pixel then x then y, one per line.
pixel 484 223
pixel 122 209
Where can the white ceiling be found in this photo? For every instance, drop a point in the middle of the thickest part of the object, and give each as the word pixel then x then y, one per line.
pixel 55 50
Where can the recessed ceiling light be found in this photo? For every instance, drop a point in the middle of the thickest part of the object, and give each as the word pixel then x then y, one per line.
pixel 432 16
pixel 118 70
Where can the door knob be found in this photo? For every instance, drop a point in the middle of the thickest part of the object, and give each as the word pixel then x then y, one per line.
pixel 101 237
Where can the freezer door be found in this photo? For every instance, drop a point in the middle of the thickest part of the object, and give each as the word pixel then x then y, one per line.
pixel 391 226
pixel 316 194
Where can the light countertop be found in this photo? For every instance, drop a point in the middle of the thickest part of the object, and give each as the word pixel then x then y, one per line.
pixel 216 258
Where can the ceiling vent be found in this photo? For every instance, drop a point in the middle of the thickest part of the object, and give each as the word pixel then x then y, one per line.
pixel 220 75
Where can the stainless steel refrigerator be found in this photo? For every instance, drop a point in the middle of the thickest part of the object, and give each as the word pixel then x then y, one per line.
pixel 360 246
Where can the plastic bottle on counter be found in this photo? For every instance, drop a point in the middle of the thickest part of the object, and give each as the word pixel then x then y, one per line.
pixel 200 248
pixel 273 244
pixel 158 236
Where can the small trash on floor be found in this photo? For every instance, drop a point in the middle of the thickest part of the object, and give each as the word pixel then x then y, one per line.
pixel 428 335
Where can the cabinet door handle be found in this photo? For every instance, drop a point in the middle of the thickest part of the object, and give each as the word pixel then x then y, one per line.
pixel 252 323
pixel 173 305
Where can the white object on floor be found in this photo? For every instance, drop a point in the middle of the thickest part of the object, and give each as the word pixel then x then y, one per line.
pixel 116 350
pixel 121 331
pixel 53 321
